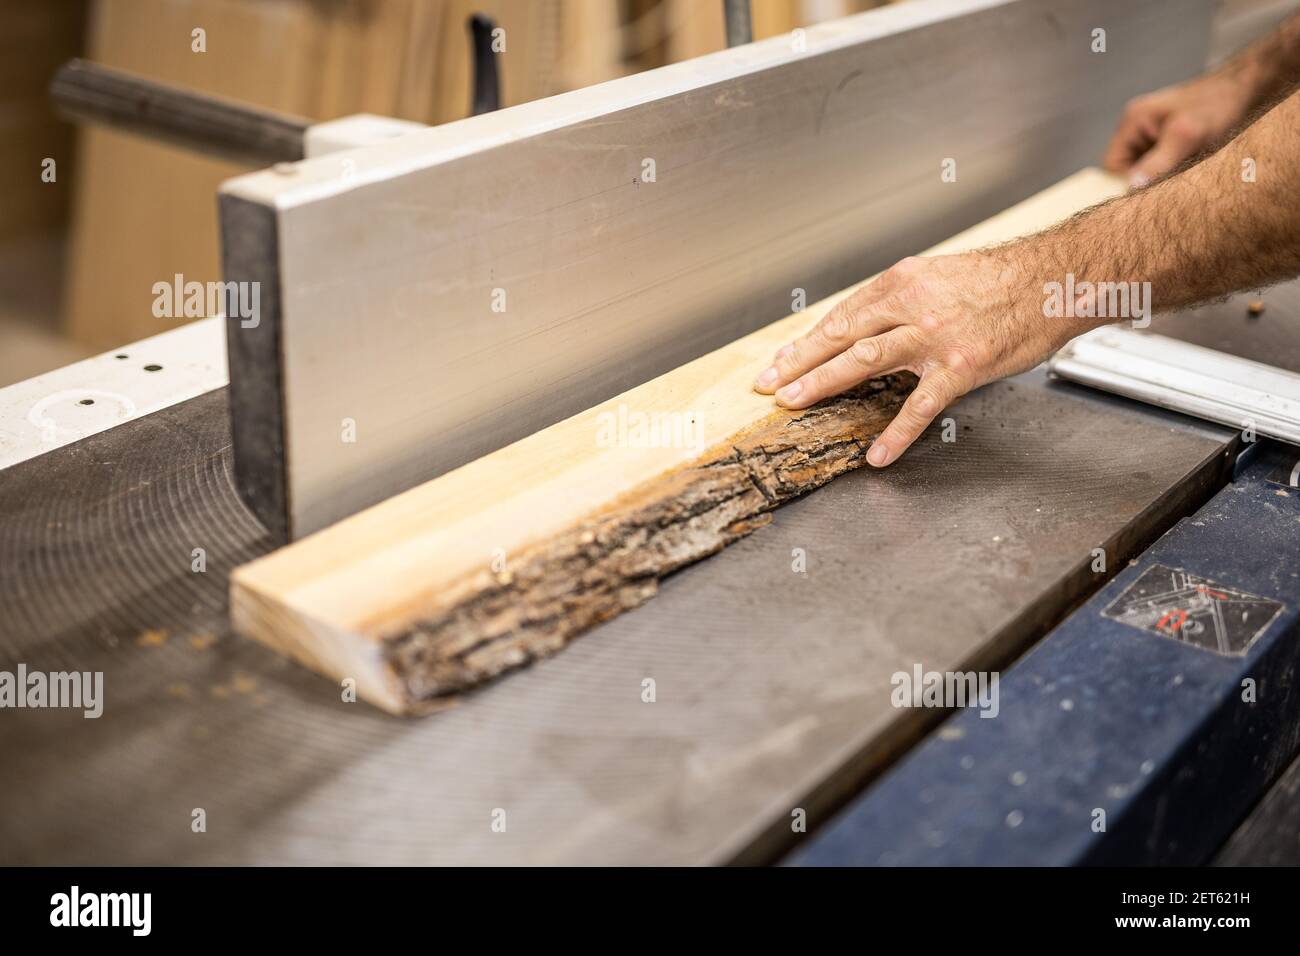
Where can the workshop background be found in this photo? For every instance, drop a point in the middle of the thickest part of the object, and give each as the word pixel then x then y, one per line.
pixel 79 256
pixel 124 540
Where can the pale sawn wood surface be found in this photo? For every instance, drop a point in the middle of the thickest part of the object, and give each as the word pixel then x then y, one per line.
pixel 330 599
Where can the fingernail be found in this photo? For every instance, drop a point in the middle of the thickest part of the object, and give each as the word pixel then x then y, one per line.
pixel 790 392
pixel 878 455
pixel 782 352
pixel 1138 180
pixel 767 378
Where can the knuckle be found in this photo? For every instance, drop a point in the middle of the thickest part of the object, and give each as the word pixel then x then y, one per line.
pixel 932 322
pixel 867 352
pixel 958 359
pixel 801 349
pixel 925 404
pixel 816 383
pixel 836 326
pixel 904 268
pixel 792 361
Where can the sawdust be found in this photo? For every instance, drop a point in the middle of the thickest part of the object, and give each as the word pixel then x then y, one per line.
pixel 240 684
pixel 243 683
pixel 152 638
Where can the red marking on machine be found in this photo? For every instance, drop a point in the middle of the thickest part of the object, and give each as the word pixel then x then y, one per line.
pixel 1177 604
pixel 1172 620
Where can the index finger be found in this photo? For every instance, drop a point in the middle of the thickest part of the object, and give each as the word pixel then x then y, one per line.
pixel 854 318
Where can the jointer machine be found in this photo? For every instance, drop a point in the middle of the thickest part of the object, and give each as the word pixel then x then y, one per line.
pixel 420 320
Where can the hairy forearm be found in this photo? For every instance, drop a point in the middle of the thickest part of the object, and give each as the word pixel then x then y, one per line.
pixel 1269 68
pixel 1228 223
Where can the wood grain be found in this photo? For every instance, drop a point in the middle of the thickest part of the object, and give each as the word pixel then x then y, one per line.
pixel 612 561
pixel 508 557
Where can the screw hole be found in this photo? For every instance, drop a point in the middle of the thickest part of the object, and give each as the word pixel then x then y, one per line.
pixel 121 355
pixel 86 401
pixel 153 368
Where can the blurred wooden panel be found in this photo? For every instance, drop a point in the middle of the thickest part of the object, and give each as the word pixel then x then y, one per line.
pixel 146 212
pixel 528 65
pixel 592 38
pixel 696 29
pixel 34 39
pixel 697 26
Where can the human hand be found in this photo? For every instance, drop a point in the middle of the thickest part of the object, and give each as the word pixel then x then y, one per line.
pixel 1159 130
pixel 956 321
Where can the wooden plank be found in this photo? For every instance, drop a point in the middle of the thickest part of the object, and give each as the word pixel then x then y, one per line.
pixel 474 573
pixel 525 262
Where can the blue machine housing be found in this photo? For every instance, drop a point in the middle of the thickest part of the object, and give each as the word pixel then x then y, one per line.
pixel 1116 744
